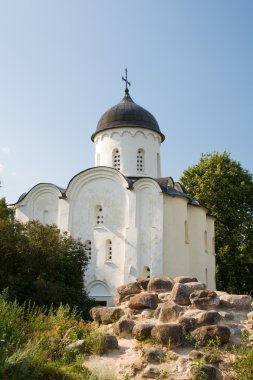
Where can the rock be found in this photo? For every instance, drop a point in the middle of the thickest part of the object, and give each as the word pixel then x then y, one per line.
pixel 160 284
pixel 188 324
pixel 110 343
pixel 205 371
pixel 117 299
pixel 250 316
pixel 226 316
pixel 204 299
pixel 79 345
pixel 168 334
pixel 165 296
pixel 183 363
pixel 124 327
pixel 236 301
pixel 142 331
pixel 157 310
pixel 194 354
pixel 144 300
pixel 154 355
pixel 209 318
pixel 148 313
pixel 196 285
pixel 106 343
pixel 142 283
pixel 204 334
pixel 151 372
pixel 169 312
pixel 105 314
pixel 180 294
pixel 184 279
pixel 128 289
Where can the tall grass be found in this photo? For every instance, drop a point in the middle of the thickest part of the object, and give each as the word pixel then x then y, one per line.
pixel 33 341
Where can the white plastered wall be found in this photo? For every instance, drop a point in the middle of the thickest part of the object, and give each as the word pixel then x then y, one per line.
pixel 107 188
pixel 128 141
pixel 175 247
pixel 41 203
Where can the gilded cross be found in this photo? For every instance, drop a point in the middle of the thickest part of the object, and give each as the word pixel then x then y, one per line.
pixel 125 79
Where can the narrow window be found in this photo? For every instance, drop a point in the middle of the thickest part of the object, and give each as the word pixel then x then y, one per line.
pixel 186 236
pixel 140 161
pixel 116 159
pixel 146 272
pixel 99 216
pixel 45 217
pixel 205 238
pixel 206 275
pixel 108 250
pixel 88 250
pixel 213 246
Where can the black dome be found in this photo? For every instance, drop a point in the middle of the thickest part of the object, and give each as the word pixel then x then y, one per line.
pixel 127 114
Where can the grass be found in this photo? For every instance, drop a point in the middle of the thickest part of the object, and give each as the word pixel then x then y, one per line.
pixel 33 342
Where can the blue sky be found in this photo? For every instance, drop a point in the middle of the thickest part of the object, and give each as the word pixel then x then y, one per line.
pixel 190 64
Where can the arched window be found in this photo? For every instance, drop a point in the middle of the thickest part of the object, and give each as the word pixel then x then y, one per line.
pixel 116 159
pixel 108 250
pixel 140 161
pixel 205 239
pixel 45 217
pixel 146 272
pixel 99 220
pixel 88 250
pixel 186 235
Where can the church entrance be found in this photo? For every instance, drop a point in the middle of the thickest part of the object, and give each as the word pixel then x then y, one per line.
pixel 100 291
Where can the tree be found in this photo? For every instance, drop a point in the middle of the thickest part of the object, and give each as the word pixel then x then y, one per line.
pixel 226 189
pixel 40 264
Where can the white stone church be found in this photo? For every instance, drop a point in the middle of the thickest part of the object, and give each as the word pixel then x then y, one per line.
pixel 134 222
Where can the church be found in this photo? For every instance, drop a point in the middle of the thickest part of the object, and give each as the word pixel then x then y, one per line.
pixel 133 222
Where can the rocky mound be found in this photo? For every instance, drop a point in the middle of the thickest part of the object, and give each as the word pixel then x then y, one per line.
pixel 169 323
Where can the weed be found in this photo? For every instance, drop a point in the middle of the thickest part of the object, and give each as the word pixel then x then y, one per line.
pixel 198 367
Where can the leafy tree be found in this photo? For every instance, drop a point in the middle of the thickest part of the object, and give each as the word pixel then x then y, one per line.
pixel 226 189
pixel 40 264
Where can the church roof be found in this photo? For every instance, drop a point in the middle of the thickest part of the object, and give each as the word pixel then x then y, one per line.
pixel 127 114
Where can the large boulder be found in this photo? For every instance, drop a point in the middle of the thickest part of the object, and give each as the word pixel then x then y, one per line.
pixel 204 299
pixel 196 285
pixel 144 300
pixel 207 372
pixel 188 323
pixel 160 284
pixel 79 345
pixel 184 279
pixel 106 315
pixel 142 331
pixel 209 318
pixel 142 283
pixel 204 334
pixel 154 355
pixel 250 317
pixel 168 334
pixel 124 327
pixel 236 301
pixel 169 312
pixel 180 294
pixel 129 289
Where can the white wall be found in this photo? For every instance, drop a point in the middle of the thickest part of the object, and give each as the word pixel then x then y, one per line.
pixel 128 142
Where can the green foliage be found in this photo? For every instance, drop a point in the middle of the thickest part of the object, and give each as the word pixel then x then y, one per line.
pixel 198 367
pixel 243 365
pixel 33 341
pixel 226 189
pixel 40 264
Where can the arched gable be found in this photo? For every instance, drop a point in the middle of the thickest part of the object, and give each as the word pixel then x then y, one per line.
pixel 97 188
pixel 40 203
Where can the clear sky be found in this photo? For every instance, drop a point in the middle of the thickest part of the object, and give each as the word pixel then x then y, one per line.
pixel 190 64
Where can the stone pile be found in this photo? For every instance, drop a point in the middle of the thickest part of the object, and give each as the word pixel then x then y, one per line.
pixel 174 313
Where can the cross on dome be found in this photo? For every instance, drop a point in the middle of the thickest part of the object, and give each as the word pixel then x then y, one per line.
pixel 127 83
